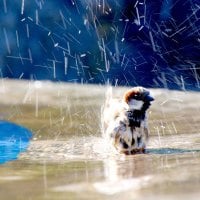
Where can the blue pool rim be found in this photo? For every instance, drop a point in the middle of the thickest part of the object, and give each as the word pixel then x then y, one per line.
pixel 14 139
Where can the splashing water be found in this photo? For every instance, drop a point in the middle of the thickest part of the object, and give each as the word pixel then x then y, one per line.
pixel 126 42
pixel 69 156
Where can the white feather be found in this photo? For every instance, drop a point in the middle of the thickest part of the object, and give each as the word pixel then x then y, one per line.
pixel 135 104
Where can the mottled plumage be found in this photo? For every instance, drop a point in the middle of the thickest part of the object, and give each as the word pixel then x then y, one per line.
pixel 125 120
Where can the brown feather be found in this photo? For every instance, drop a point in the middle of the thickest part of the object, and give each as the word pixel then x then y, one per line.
pixel 130 94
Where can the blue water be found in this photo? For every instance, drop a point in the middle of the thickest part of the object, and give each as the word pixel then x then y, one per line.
pixel 14 139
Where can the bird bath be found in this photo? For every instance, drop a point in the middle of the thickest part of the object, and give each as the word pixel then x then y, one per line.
pixel 68 159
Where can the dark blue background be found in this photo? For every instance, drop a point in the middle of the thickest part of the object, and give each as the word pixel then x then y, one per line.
pixel 151 43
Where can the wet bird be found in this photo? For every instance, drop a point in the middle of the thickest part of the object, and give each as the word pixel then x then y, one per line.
pixel 124 120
